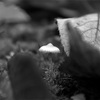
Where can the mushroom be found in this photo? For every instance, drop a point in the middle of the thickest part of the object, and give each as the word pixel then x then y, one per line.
pixel 49 48
pixel 49 62
pixel 49 52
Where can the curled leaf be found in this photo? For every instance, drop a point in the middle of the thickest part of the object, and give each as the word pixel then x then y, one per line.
pixel 80 38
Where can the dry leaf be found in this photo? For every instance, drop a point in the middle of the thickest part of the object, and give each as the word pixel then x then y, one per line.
pixel 89 28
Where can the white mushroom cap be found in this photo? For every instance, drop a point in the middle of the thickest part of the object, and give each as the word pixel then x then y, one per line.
pixel 49 48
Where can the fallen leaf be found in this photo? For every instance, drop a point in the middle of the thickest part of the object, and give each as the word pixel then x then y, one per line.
pixel 89 29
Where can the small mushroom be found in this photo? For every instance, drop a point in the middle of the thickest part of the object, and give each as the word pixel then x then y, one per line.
pixel 49 48
pixel 49 62
pixel 49 52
